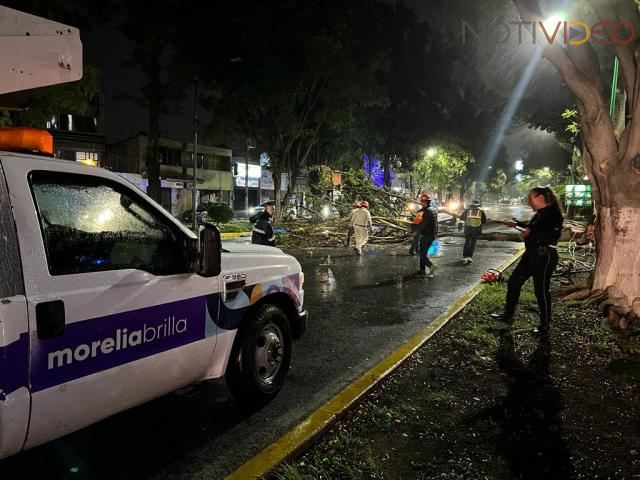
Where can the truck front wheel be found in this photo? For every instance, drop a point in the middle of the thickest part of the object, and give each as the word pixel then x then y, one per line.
pixel 260 357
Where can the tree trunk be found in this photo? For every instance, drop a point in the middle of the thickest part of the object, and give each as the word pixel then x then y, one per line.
pixel 618 263
pixel 277 193
pixel 387 170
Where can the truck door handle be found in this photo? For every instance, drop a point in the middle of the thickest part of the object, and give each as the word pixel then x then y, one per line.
pixel 50 319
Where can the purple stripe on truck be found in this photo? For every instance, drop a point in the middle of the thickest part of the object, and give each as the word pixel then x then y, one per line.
pixel 98 344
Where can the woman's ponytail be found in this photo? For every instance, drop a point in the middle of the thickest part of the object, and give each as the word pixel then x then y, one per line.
pixel 550 196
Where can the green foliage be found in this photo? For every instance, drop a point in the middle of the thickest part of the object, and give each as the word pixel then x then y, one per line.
pixel 571 114
pixel 235 226
pixel 71 98
pixel 443 168
pixel 220 213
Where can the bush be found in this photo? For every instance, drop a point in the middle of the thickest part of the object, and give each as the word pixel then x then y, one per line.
pixel 220 213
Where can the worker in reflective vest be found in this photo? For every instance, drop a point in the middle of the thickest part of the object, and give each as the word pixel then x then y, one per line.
pixel 263 233
pixel 473 218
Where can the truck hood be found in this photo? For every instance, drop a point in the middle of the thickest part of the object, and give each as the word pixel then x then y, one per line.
pixel 251 248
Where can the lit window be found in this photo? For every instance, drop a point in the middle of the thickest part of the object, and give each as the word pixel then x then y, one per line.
pixel 88 158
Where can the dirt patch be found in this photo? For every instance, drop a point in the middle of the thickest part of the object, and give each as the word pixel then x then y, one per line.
pixel 485 401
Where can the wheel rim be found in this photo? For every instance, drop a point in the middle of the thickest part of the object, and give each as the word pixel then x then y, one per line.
pixel 269 353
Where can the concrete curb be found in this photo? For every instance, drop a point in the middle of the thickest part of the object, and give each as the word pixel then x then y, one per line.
pixel 300 437
pixel 225 235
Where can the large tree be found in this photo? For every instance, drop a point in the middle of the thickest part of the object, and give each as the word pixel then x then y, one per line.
pixel 288 71
pixel 612 162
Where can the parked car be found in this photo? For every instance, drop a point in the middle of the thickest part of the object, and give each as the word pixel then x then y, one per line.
pixel 290 213
pixel 201 211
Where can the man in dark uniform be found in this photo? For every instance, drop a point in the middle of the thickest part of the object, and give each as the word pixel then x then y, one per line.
pixel 263 233
pixel 427 229
pixel 473 218
pixel 540 258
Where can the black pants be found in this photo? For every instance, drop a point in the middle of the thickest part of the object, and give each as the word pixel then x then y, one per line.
pixel 537 263
pixel 470 238
pixel 415 244
pixel 425 244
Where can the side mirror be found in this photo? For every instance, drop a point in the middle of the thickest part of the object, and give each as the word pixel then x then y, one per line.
pixel 210 250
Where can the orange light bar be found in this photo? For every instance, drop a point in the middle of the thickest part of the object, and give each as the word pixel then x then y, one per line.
pixel 23 139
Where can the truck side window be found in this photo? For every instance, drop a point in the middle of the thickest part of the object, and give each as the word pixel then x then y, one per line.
pixel 90 224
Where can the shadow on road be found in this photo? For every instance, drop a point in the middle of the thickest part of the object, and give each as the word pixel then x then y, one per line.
pixel 146 441
pixel 529 417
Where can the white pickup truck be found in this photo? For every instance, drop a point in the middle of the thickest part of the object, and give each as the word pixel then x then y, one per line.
pixel 107 301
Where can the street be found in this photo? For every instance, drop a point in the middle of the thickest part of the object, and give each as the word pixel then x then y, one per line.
pixel 361 309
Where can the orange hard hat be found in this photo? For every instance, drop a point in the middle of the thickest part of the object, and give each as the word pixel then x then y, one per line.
pixel 364 203
pixel 425 197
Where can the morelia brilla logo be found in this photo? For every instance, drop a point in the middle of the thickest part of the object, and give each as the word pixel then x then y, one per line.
pixel 122 339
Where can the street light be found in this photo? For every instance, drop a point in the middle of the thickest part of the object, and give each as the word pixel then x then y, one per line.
pixel 553 23
pixel 194 187
pixel 246 179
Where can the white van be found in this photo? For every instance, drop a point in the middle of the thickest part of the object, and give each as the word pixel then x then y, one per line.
pixel 107 301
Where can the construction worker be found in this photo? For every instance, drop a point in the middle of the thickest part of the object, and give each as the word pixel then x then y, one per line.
pixel 540 258
pixel 473 218
pixel 263 233
pixel 354 207
pixel 427 229
pixel 361 223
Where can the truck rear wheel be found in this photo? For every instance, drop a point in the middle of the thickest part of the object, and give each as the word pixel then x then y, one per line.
pixel 260 357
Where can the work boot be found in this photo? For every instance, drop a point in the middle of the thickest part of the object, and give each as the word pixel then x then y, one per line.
pixel 432 269
pixel 502 317
pixel 540 331
pixel 421 273
pixel 469 260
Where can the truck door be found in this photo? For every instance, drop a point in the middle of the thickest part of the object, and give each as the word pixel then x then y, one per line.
pixel 116 315
pixel 14 335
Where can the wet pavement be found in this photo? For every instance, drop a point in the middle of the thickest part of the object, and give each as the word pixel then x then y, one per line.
pixel 361 309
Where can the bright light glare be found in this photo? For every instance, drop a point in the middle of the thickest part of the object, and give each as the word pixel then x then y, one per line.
pixel 453 205
pixel 326 211
pixel 519 165
pixel 546 169
pixel 104 216
pixel 431 151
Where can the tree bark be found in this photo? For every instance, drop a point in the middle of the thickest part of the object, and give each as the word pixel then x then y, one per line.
pixel 611 165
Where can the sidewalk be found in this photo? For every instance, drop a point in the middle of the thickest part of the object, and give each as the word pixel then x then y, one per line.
pixel 483 401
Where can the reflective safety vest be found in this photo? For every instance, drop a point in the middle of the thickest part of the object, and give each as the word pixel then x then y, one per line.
pixel 417 220
pixel 474 217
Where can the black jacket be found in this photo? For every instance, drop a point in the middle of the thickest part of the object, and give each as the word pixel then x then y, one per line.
pixel 263 233
pixel 545 226
pixel 429 224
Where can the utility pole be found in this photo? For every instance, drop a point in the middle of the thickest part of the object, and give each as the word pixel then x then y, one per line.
pixel 246 180
pixel 194 191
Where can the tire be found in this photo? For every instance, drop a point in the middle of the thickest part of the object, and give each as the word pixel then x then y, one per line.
pixel 260 357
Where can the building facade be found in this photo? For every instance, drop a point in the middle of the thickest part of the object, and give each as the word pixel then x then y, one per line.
pixel 80 138
pixel 214 175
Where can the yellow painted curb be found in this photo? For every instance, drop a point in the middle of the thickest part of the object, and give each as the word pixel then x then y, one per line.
pixel 320 420
pixel 224 235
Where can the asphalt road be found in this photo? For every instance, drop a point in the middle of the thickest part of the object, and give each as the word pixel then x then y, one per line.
pixel 361 309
